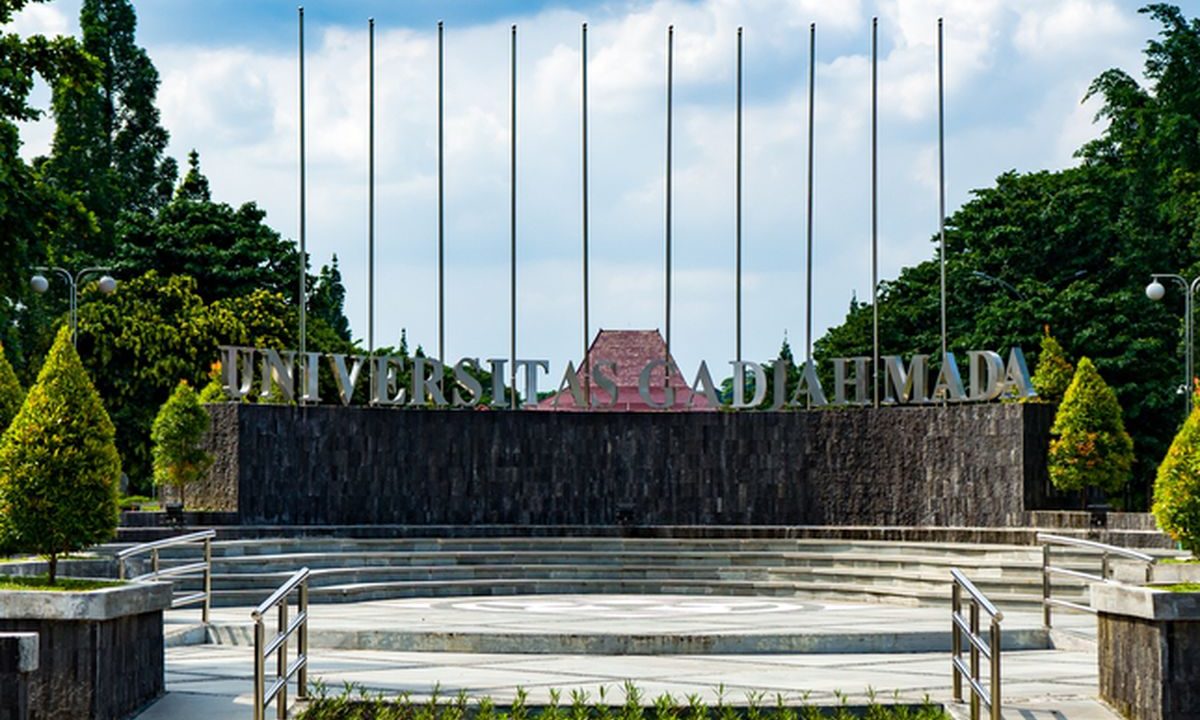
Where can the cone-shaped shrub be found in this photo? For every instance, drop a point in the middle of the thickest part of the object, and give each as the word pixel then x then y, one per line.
pixel 178 429
pixel 11 392
pixel 1089 445
pixel 1054 371
pixel 59 468
pixel 1177 487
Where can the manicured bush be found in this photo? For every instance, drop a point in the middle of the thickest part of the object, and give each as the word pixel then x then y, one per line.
pixel 59 468
pixel 1177 487
pixel 1054 371
pixel 178 457
pixel 1089 446
pixel 11 392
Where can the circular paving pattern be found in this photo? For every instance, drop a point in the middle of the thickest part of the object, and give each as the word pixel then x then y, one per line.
pixel 626 607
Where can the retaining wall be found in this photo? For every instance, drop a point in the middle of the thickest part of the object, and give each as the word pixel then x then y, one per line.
pixel 966 465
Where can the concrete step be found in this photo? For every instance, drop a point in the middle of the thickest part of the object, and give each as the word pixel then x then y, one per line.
pixel 344 569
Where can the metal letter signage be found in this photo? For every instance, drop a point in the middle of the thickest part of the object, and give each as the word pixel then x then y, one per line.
pixel 287 376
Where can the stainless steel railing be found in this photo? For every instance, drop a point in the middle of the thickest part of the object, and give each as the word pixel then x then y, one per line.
pixel 1049 570
pixel 202 568
pixel 968 628
pixel 263 695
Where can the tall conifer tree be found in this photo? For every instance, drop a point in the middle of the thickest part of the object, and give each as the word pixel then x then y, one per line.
pixel 108 144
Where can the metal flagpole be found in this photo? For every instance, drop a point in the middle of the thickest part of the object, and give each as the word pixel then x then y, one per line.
pixel 812 57
pixel 670 78
pixel 875 209
pixel 441 251
pixel 942 181
pixel 512 371
pixel 303 249
pixel 587 375
pixel 738 206
pixel 371 186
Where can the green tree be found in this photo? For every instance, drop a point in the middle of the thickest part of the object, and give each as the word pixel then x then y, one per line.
pixel 138 343
pixel 154 331
pixel 1054 371
pixel 229 252
pixel 12 395
pixel 1177 487
pixel 327 300
pixel 109 146
pixel 179 427
pixel 1089 446
pixel 33 213
pixel 59 468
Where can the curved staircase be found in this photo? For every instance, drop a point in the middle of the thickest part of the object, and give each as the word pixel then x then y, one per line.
pixel 349 570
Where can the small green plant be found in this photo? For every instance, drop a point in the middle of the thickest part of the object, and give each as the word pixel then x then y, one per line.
pixel 179 458
pixel 11 392
pixel 1089 446
pixel 1183 587
pixel 356 703
pixel 1177 487
pixel 59 467
pixel 1054 371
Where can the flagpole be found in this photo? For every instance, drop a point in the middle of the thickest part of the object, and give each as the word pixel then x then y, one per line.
pixel 812 57
pixel 512 370
pixel 942 182
pixel 303 210
pixel 371 186
pixel 587 375
pixel 875 209
pixel 738 206
pixel 441 250
pixel 670 79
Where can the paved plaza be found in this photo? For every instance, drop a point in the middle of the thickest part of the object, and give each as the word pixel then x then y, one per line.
pixel 376 646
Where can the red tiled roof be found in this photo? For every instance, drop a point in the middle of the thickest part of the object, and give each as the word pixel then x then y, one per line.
pixel 631 350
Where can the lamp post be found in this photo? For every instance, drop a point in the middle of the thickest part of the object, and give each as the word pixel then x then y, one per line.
pixel 1155 291
pixel 1003 283
pixel 40 284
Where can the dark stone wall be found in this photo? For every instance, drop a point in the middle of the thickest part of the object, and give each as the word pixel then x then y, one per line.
pixel 957 465
pixel 14 681
pixel 104 670
pixel 1166 682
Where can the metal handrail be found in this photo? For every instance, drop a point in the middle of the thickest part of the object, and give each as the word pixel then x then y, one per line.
pixel 264 695
pixel 203 567
pixel 989 648
pixel 1048 570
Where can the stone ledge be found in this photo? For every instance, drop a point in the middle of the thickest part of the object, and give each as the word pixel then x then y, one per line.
pixel 102 604
pixel 1148 603
pixel 24 645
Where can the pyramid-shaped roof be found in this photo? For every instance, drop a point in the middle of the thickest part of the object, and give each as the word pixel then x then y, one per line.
pixel 630 351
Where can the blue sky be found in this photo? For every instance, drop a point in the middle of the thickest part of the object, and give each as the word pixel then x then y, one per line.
pixel 1016 73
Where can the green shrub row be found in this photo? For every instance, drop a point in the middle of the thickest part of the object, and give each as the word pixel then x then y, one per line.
pixel 355 703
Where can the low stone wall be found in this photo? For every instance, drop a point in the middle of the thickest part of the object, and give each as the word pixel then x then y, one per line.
pixel 1148 643
pixel 965 465
pixel 99 654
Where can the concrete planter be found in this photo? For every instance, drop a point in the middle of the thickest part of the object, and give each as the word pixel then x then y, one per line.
pixel 100 653
pixel 1134 573
pixel 1147 644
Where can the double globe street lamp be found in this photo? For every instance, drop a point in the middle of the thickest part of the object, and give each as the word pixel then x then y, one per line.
pixel 40 284
pixel 1155 291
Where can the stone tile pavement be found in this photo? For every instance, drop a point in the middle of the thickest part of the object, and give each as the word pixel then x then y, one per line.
pixel 210 681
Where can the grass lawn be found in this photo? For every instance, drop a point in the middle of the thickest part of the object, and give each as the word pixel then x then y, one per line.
pixel 38 582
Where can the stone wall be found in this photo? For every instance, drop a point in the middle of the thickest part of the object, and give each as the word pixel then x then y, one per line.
pixel 99 653
pixel 18 660
pixel 960 465
pixel 94 669
pixel 1147 645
